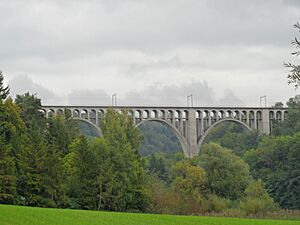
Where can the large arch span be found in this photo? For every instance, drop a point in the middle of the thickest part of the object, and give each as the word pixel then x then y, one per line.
pixel 183 143
pixel 202 138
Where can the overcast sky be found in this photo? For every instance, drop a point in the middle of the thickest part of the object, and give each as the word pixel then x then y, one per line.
pixel 153 52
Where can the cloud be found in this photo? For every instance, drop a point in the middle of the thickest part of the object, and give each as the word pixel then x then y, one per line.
pixel 21 84
pixel 88 97
pixel 230 99
pixel 131 47
pixel 153 95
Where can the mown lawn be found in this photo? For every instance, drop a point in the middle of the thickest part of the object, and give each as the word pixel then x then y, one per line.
pixel 20 215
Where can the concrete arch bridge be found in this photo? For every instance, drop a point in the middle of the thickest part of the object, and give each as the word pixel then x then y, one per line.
pixel 190 124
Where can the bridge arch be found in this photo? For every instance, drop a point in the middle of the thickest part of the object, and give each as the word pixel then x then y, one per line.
pixel 202 138
pixel 96 128
pixel 183 142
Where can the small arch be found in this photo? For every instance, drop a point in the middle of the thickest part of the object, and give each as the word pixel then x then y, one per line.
pixel 198 114
pixel 214 116
pixel 146 114
pixel 237 115
pixel 84 114
pixel 229 114
pixel 76 113
pixel 100 113
pixel 271 115
pixel 183 143
pixel 244 116
pixel 153 114
pixel 201 139
pixel 170 114
pixel 161 114
pixel 43 112
pixel 285 115
pixel 278 115
pixel 259 123
pixel 138 114
pixel 177 114
pixel 93 115
pixel 60 112
pixel 51 113
pixel 221 114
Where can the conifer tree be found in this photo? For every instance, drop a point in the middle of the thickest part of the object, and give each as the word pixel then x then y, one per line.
pixel 11 127
pixel 4 91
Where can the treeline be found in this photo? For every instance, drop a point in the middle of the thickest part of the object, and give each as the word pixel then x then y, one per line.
pixel 45 162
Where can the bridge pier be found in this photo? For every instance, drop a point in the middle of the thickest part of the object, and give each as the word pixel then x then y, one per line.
pixel 192 134
pixel 266 122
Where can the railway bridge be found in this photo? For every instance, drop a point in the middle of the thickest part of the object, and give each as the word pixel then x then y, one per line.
pixel 190 124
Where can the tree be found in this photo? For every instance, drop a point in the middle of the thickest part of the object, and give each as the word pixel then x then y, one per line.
pixel 126 190
pixel 61 131
pixel 291 124
pixel 234 136
pixel 228 175
pixel 294 74
pixel 257 199
pixel 32 166
pixel 11 128
pixel 85 164
pixel 156 164
pixel 189 182
pixel 31 111
pixel 277 162
pixel 278 105
pixel 4 91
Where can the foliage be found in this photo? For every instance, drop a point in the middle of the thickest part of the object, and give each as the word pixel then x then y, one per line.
pixel 277 162
pixel 156 164
pixel 234 136
pixel 189 182
pixel 85 164
pixel 228 175
pixel 11 127
pixel 31 111
pixel 4 91
pixel 294 74
pixel 257 200
pixel 215 204
pixel 127 180
pixel 291 124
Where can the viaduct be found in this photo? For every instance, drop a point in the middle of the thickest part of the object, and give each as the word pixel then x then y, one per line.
pixel 190 124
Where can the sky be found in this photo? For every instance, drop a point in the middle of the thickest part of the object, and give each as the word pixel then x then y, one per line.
pixel 154 52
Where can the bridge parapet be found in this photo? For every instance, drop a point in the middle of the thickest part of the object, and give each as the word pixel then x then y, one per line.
pixel 190 124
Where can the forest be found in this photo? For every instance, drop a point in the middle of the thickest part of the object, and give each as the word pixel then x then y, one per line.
pixel 46 162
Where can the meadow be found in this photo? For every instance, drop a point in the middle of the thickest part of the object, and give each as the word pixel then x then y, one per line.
pixel 21 215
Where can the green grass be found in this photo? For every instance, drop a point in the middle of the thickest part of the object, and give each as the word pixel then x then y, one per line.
pixel 13 215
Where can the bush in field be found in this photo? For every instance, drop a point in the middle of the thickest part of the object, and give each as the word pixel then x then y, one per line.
pixel 214 203
pixel 257 200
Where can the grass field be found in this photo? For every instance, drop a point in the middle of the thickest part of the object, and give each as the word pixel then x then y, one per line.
pixel 20 215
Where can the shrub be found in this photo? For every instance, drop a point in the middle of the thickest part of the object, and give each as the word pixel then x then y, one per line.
pixel 215 204
pixel 257 200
